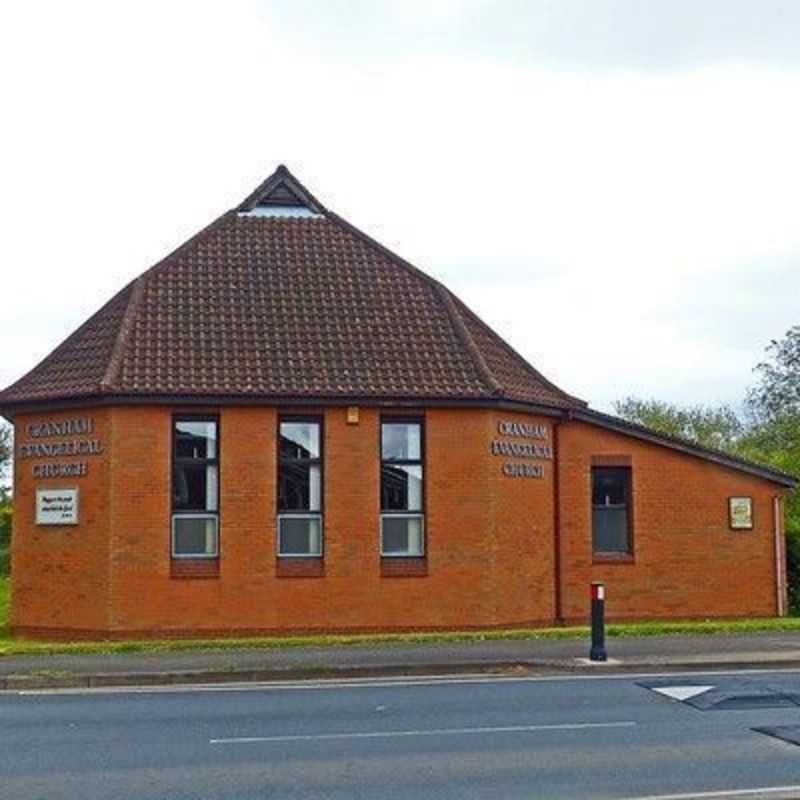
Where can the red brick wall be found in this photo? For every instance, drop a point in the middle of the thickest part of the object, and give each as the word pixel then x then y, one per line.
pixel 457 588
pixel 687 562
pixel 490 555
pixel 59 574
pixel 523 519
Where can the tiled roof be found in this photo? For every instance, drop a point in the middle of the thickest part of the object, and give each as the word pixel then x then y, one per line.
pixel 268 304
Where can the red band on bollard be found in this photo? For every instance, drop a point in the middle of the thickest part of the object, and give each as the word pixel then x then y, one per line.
pixel 598 591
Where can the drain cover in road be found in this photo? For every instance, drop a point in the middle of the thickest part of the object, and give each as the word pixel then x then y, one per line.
pixel 786 733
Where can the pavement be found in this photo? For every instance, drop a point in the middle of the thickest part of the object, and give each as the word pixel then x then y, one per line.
pixel 543 657
pixel 720 735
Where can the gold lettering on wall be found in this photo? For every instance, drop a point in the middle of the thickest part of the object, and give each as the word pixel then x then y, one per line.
pixel 48 445
pixel 532 450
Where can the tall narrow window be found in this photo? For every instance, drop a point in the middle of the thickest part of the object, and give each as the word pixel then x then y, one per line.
pixel 402 518
pixel 611 493
pixel 195 488
pixel 300 488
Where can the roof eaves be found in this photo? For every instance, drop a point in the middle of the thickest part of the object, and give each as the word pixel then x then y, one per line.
pixel 293 400
pixel 682 445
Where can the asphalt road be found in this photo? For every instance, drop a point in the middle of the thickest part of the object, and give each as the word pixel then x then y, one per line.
pixel 603 737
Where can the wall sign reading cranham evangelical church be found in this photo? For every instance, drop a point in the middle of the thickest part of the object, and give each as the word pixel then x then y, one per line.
pixel 532 450
pixel 62 438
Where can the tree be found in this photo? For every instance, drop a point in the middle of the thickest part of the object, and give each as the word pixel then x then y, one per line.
pixel 777 393
pixel 6 511
pixel 769 432
pixel 6 451
pixel 774 407
pixel 718 427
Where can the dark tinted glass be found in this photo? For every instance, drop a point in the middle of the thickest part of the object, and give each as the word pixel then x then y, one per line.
pixel 194 487
pixel 300 536
pixel 195 536
pixel 610 486
pixel 610 525
pixel 402 536
pixel 298 487
pixel 299 440
pixel 401 488
pixel 195 439
pixel 610 530
pixel 401 441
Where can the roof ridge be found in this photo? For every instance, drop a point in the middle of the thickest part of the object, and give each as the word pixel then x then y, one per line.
pixel 523 361
pixel 69 341
pixel 123 335
pixel 116 358
pixel 392 256
pixel 442 294
pixel 161 263
pixel 446 299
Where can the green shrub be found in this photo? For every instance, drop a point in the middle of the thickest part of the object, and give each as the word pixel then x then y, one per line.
pixel 6 514
pixel 793 570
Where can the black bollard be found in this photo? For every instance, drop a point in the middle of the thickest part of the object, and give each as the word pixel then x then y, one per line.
pixel 598 651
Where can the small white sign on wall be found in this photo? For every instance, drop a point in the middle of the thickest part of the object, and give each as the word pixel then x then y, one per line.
pixel 56 506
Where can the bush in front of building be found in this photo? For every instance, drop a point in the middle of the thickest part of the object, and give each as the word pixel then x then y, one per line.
pixel 793 570
pixel 6 514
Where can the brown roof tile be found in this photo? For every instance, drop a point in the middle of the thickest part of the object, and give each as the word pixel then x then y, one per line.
pixel 266 306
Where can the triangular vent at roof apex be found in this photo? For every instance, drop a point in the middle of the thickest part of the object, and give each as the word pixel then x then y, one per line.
pixel 281 195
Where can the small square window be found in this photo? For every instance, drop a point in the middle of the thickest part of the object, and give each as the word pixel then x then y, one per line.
pixel 300 440
pixel 195 536
pixel 299 536
pixel 402 535
pixel 401 441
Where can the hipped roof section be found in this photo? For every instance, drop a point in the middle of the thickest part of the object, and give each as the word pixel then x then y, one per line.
pixel 280 300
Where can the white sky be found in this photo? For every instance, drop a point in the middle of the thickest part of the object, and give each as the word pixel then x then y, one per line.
pixel 613 186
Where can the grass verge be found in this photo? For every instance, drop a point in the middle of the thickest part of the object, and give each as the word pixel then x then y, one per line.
pixel 15 647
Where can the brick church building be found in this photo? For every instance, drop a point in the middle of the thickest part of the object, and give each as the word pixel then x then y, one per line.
pixel 284 426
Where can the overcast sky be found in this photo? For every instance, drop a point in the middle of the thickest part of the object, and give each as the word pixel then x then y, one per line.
pixel 613 186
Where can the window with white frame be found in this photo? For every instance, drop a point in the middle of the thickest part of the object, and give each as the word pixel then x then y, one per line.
pixel 402 487
pixel 300 487
pixel 195 487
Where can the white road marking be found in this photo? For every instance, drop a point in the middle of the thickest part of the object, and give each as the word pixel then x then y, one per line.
pixel 681 692
pixel 434 732
pixel 788 792
pixel 372 683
